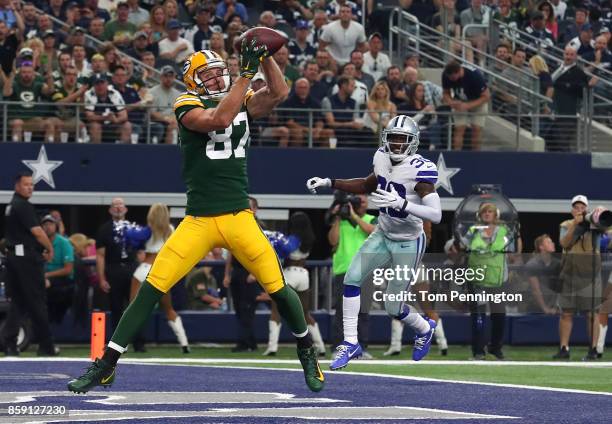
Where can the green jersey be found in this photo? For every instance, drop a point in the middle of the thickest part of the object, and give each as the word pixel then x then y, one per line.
pixel 214 163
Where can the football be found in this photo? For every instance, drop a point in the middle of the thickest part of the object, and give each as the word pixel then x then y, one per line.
pixel 272 38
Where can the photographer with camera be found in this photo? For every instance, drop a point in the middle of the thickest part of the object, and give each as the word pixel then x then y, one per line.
pixel 581 272
pixel 350 227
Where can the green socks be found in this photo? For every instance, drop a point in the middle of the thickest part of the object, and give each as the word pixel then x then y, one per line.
pixel 136 315
pixel 290 308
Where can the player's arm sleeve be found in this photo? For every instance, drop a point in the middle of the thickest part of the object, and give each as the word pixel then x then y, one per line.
pixel 429 209
pixel 184 103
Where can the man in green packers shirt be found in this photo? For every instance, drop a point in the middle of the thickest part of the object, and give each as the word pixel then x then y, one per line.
pixel 213 128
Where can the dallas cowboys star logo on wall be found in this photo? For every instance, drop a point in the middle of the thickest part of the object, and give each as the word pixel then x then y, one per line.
pixel 445 174
pixel 42 168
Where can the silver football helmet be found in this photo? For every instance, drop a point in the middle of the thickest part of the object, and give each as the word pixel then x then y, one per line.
pixel 405 126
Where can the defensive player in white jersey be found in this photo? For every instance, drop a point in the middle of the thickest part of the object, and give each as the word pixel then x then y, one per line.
pixel 402 186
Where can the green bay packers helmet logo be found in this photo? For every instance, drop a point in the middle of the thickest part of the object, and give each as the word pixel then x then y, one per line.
pixel 197 64
pixel 27 97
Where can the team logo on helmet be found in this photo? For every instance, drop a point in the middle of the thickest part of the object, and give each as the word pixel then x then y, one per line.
pixel 400 138
pixel 196 65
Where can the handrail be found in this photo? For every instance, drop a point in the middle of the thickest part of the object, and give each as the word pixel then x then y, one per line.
pixel 546 54
pixel 484 70
pixel 409 17
pixel 463 37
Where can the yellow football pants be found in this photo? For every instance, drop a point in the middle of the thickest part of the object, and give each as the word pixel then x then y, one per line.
pixel 196 236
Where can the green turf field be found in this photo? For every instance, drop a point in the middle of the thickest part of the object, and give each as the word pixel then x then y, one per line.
pixel 596 376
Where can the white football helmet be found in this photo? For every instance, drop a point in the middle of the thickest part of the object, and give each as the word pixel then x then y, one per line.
pixel 404 126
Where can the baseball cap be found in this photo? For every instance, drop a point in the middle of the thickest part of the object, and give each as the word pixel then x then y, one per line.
pixel 26 52
pixel 580 198
pixel 167 69
pixel 302 24
pixel 140 34
pixel 375 35
pixel 49 33
pixel 78 29
pixel 48 218
pixel 99 77
pixel 586 27
pixel 173 24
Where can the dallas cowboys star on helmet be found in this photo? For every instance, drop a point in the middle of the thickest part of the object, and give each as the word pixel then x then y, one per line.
pixel 201 61
pixel 404 126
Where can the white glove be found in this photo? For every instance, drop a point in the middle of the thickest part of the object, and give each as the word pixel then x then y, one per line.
pixel 315 182
pixel 386 199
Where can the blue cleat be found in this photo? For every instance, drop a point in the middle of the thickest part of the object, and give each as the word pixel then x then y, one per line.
pixel 344 353
pixel 422 343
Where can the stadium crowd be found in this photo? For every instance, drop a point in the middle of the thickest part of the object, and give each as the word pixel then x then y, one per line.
pixel 121 61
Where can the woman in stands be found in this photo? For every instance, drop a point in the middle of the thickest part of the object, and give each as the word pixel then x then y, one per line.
pixel 423 114
pixel 217 44
pixel 380 109
pixel 298 242
pixel 158 20
pixel 160 229
pixel 549 18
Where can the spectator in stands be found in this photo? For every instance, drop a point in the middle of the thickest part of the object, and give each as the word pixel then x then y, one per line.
pixel 584 43
pixel 397 87
pixel 538 36
pixel 148 73
pixel 80 62
pixel 540 69
pixel 478 14
pixel 507 95
pixel 453 24
pixel 233 67
pixel 318 22
pixel 44 25
pixel 199 34
pixel 120 30
pixel 158 21
pixel 281 57
pixel 543 271
pixel 422 9
pixel 137 15
pixel 268 128
pixel 433 92
pixel 76 37
pixel 202 290
pixel 300 50
pixel 132 100
pixel 111 57
pixel 10 12
pixel 510 16
pixel 300 122
pixel 233 31
pixel 291 11
pixel 360 75
pixel 573 29
pixel 360 93
pixel 30 19
pixel 98 66
pixel 56 9
pixel 8 48
pixel 105 112
pixel 424 115
pixel 227 8
pixel 140 44
pixel 48 57
pixel 601 59
pixel 327 65
pixel 162 98
pixel 268 19
pixel 577 277
pixel 174 47
pixel 172 9
pixel 550 20
pixel 59 272
pixel 217 44
pixel 91 11
pixel 466 92
pixel 319 88
pixel 24 118
pixel 96 30
pixel 380 109
pixel 341 111
pixel 503 56
pixel 559 8
pixel 569 80
pixel 68 91
pixel 343 36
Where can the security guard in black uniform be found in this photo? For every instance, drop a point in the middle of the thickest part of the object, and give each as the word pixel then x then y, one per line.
pixel 28 247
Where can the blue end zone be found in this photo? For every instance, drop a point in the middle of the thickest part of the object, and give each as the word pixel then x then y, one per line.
pixel 206 394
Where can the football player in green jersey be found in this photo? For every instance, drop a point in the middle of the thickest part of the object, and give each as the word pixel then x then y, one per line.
pixel 213 129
